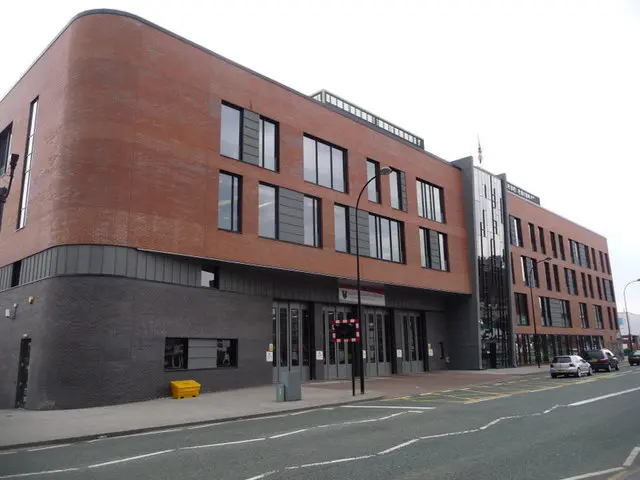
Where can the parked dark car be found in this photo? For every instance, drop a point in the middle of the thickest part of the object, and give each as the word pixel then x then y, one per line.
pixel 602 359
pixel 634 357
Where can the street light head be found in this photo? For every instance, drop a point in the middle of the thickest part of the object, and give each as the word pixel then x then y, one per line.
pixel 385 171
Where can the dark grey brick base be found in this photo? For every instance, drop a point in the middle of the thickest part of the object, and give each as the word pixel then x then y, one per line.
pixel 100 340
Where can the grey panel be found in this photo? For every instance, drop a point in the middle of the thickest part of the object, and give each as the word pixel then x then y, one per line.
pixel 47 261
pixel 83 259
pixel 150 261
pixel 184 274
pixel 122 255
pixel 169 265
pixel 434 247
pixel 54 260
pixel 72 259
pixel 25 270
pixel 132 263
pixel 290 216
pixel 61 264
pixel 109 260
pixel 161 261
pixel 250 137
pixel 363 231
pixel 193 278
pixel 5 277
pixel 96 259
pixel 403 190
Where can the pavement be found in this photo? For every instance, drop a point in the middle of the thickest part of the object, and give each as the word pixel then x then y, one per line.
pixel 518 427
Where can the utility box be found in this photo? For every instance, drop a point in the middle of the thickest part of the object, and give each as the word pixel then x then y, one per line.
pixel 292 382
pixel 280 392
pixel 184 389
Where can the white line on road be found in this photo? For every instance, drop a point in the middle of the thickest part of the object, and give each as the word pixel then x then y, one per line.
pixel 289 433
pixel 330 462
pixel 50 447
pixel 152 432
pixel 32 474
pixel 10 452
pixel 594 474
pixel 602 397
pixel 129 459
pixel 390 407
pixel 262 475
pixel 398 447
pixel 632 456
pixel 238 442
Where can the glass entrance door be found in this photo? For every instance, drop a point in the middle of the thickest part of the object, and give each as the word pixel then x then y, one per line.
pixel 413 349
pixel 338 357
pixel 291 339
pixel 377 342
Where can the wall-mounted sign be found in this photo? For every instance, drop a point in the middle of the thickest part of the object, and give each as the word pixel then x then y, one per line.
pixel 523 193
pixel 269 356
pixel 368 297
pixel 399 353
pixel 319 355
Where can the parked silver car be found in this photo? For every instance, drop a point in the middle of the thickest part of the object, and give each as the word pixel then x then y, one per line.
pixel 570 365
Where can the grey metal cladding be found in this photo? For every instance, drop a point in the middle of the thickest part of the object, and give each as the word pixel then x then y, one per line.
pixel 403 190
pixel 434 248
pixel 290 216
pixel 363 232
pixel 5 277
pixel 250 137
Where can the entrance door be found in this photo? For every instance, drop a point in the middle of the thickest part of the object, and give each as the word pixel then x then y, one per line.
pixel 377 342
pixel 413 350
pixel 23 372
pixel 291 339
pixel 338 357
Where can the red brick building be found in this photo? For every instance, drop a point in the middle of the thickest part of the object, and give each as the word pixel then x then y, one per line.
pixel 175 215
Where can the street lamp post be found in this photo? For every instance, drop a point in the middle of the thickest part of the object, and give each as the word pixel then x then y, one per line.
pixel 536 344
pixel 626 309
pixel 383 171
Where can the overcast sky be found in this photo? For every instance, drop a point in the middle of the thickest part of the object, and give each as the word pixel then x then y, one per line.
pixel 551 87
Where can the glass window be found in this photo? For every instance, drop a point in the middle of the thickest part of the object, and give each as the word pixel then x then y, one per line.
pixel 268 144
pixel 373 189
pixel 5 149
pixel 430 201
pixel 561 246
pixel 324 164
pixel 311 221
pixel 209 277
pixel 28 159
pixel 516 231
pixel 229 202
pixel 522 308
pixel 543 247
pixel 395 188
pixel 532 236
pixel 434 252
pixel 385 239
pixel 267 211
pixel 584 316
pixel 230 132
pixel 175 353
pixel 340 228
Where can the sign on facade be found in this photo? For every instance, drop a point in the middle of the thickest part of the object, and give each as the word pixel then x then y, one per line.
pixel 523 193
pixel 368 297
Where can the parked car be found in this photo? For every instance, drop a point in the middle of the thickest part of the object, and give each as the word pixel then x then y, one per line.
pixel 634 357
pixel 569 365
pixel 602 359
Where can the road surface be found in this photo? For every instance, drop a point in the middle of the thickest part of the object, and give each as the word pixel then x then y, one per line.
pixel 530 428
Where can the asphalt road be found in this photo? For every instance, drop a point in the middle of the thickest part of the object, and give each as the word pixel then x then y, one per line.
pixel 530 428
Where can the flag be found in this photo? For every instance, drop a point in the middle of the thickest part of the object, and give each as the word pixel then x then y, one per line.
pixel 479 151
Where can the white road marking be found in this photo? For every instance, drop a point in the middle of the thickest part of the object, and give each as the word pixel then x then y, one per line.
pixel 603 397
pixel 415 411
pixel 130 459
pixel 152 432
pixel 398 447
pixel 289 433
pixel 594 474
pixel 480 400
pixel 238 442
pixel 330 462
pixel 632 456
pixel 46 472
pixel 262 475
pixel 50 447
pixel 9 452
pixel 390 407
pixel 443 391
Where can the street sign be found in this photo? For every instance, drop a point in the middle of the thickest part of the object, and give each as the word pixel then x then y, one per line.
pixel 347 330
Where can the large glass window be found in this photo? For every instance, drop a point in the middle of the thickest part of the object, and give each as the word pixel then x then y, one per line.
pixel 522 308
pixel 28 160
pixel 547 273
pixel 543 246
pixel 268 144
pixel 385 239
pixel 561 247
pixel 312 221
pixel 515 231
pixel 373 189
pixel 5 149
pixel 341 228
pixel 430 201
pixel 395 186
pixel 230 131
pixel 267 211
pixel 556 278
pixel 229 195
pixel 597 310
pixel 324 164
pixel 570 277
pixel 584 315
pixel 200 353
pixel 529 272
pixel 434 249
pixel 532 237
pixel 554 248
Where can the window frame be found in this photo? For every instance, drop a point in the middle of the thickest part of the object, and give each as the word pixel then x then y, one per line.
pixel 276 210
pixel 397 174
pixel 316 221
pixel 520 300
pixel 230 106
pixel 532 237
pixel 331 147
pixel 236 183
pixel 543 247
pixel 379 233
pixel 186 341
pixel 7 134
pixel 374 185
pixel 426 193
pixel 30 143
pixel 261 141
pixel 584 315
pixel 425 249
pixel 347 239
